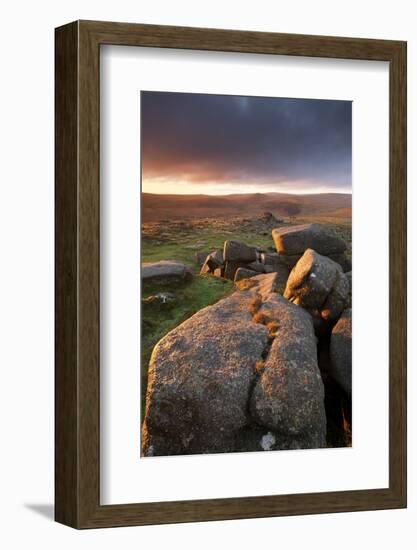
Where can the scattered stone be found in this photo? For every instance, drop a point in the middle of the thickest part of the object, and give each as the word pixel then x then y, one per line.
pixel 238 252
pixel 166 269
pixel 298 238
pixel 341 351
pixel 213 261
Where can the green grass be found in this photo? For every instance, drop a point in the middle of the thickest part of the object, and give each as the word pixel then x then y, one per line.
pixel 158 319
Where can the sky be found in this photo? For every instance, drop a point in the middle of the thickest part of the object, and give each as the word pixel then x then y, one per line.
pixel 218 144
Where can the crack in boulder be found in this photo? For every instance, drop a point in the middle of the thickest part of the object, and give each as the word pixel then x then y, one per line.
pixel 209 384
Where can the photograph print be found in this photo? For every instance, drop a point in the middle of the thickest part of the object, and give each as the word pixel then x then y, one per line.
pixel 246 274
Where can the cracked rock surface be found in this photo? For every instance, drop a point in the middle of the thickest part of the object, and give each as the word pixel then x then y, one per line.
pixel 241 374
pixel 288 396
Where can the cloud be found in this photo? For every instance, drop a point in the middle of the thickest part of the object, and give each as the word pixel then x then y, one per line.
pixel 233 140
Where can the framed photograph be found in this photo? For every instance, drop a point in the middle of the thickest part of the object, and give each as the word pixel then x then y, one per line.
pixel 230 274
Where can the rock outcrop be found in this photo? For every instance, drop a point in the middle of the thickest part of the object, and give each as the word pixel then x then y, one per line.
pixel 238 261
pixel 209 386
pixel 341 352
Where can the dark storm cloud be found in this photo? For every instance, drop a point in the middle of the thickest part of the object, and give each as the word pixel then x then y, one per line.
pixel 238 139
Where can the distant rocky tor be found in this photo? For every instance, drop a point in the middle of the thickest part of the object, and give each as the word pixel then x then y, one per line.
pixel 243 374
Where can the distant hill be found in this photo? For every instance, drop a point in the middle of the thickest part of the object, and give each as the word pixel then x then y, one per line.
pixel 159 207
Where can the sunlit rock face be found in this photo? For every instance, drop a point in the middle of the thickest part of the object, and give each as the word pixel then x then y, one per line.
pixel 296 239
pixel 318 284
pixel 292 241
pixel 217 383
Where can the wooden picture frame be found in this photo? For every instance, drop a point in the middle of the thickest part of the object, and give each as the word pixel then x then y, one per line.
pixel 77 382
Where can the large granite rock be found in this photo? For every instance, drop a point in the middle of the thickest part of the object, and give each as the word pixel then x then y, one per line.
pixel 293 240
pixel 199 381
pixel 207 394
pixel 341 351
pixel 165 269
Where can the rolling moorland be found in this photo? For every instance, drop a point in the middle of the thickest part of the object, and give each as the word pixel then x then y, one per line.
pixel 187 227
pixel 159 207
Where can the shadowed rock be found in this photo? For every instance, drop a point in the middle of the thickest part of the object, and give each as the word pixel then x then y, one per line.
pixel 296 239
pixel 341 351
pixel 262 284
pixel 256 266
pixel 288 398
pixel 337 299
pixel 230 269
pixel 243 273
pixel 165 269
pixel 238 252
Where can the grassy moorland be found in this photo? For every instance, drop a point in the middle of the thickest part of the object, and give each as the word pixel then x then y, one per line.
pixel 182 240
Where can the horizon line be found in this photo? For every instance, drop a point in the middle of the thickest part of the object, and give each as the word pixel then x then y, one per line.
pixel 249 193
